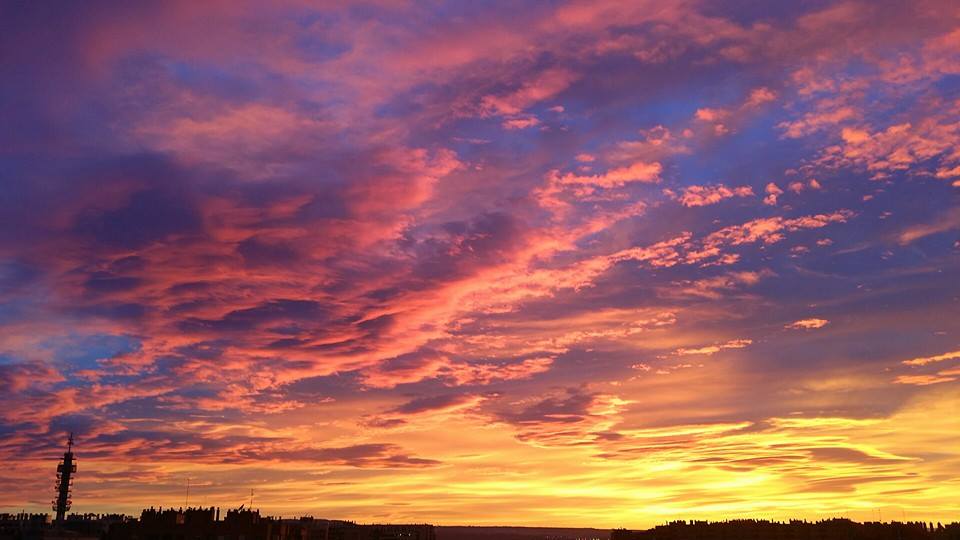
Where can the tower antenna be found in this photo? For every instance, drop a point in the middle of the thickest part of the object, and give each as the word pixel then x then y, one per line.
pixel 65 470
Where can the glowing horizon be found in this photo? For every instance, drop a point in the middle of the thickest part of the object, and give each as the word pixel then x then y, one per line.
pixel 585 264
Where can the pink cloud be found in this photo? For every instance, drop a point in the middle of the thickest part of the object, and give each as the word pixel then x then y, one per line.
pixel 773 192
pixel 640 171
pixel 717 287
pixel 655 144
pixel 814 122
pixel 255 139
pixel 520 122
pixel 19 377
pixel 407 181
pixel 771 230
pixel 707 195
pixel 711 115
pixel 948 173
pixel 759 96
pixel 898 147
pixel 546 85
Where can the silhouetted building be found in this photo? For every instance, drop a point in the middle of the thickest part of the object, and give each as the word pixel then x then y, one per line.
pixel 65 471
pixel 24 526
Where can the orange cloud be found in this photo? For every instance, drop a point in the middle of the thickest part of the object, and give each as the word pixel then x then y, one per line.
pixel 807 324
pixel 773 192
pixel 710 350
pixel 924 360
pixel 923 380
pixel 946 221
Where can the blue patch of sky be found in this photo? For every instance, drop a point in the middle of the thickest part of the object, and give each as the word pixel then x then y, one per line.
pixel 314 43
pixel 752 155
pixel 12 311
pixel 15 274
pixel 948 86
pixel 233 85
pixel 749 12
pixel 80 352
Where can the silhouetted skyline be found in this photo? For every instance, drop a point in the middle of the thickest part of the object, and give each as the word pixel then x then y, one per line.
pixel 249 524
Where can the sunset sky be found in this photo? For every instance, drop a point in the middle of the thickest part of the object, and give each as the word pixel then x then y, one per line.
pixel 599 263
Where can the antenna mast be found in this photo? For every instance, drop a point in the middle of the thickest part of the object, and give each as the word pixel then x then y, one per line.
pixel 65 471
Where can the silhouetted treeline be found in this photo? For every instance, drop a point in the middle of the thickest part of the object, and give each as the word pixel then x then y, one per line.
pixel 240 524
pixel 201 524
pixel 831 529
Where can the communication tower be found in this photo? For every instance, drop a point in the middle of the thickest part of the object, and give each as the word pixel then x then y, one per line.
pixel 65 471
